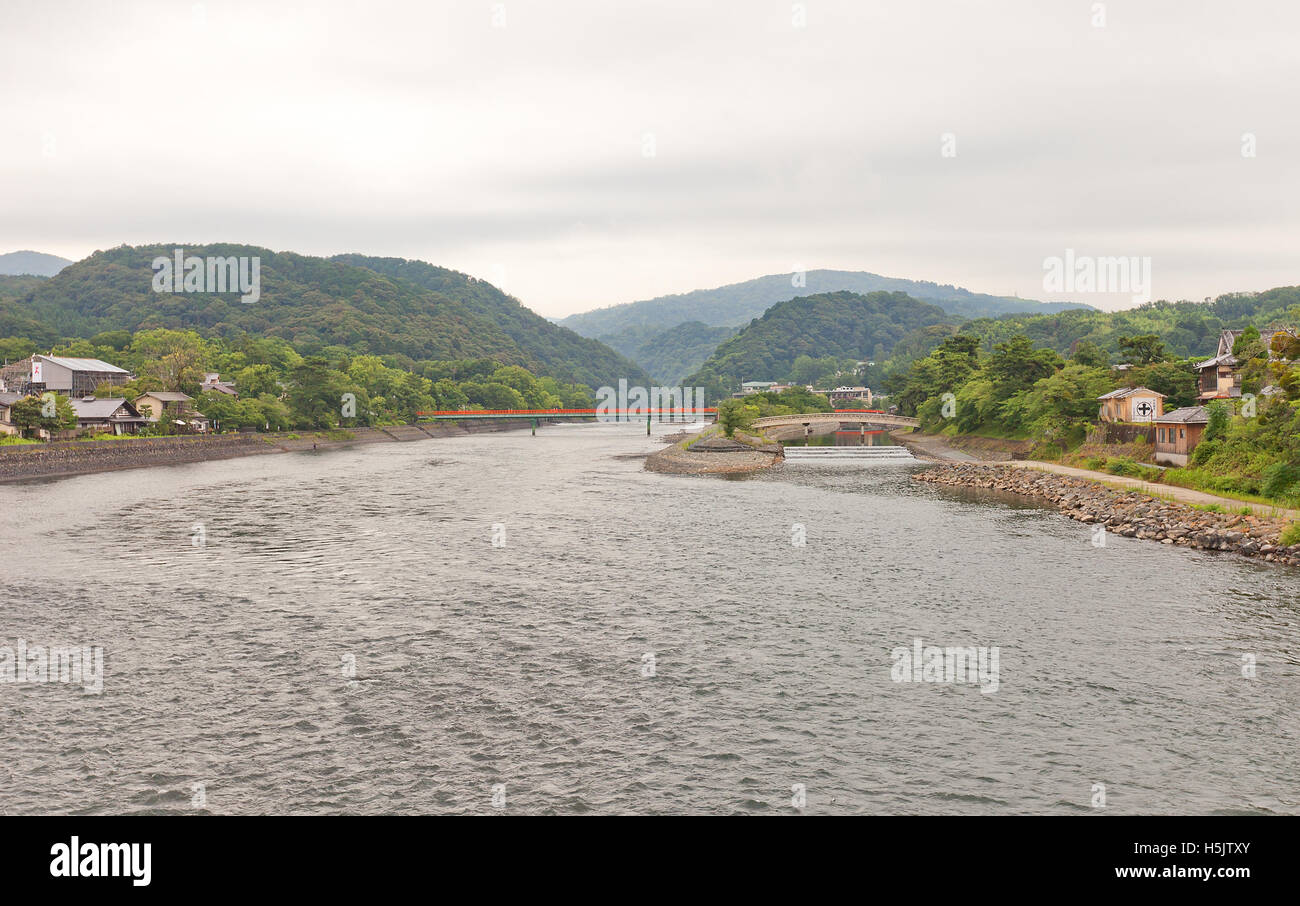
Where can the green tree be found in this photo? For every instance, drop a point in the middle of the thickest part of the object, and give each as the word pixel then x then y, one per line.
pixel 174 358
pixel 1217 426
pixel 51 412
pixel 1142 350
pixel 254 380
pixel 1090 355
pixel 316 394
pixel 1015 365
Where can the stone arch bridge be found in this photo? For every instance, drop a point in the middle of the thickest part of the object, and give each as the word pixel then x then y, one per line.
pixel 810 420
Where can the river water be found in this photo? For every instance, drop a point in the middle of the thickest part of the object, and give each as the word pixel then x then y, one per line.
pixel 342 635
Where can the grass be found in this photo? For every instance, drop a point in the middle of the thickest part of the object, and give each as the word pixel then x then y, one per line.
pixel 1191 479
pixel 1290 534
pixel 950 430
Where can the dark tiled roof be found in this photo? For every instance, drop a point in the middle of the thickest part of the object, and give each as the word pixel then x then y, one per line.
pixel 1188 415
pixel 1128 391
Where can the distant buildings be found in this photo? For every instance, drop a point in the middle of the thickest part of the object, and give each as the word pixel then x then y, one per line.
pixel 7 400
pixel 212 381
pixel 72 377
pixel 839 394
pixel 179 406
pixel 1131 404
pixel 107 416
pixel 848 394
pixel 1219 378
pixel 78 378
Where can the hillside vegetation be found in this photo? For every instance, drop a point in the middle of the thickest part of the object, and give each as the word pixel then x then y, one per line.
pixel 670 355
pixel 374 306
pixel 639 329
pixel 840 327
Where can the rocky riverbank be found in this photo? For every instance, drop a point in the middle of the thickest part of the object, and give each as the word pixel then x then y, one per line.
pixel 1129 513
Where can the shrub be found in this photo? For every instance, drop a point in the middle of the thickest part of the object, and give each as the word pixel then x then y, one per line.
pixel 1122 466
pixel 1291 534
pixel 1279 479
pixel 1204 450
pixel 1217 426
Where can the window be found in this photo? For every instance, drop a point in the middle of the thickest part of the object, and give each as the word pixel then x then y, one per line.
pixel 1181 433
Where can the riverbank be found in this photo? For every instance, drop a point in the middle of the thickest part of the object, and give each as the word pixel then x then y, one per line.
pixel 710 453
pixel 67 458
pixel 1128 512
pixel 960 448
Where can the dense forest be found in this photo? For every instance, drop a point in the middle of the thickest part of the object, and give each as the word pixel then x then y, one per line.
pixel 365 306
pixel 279 388
pixel 629 328
pixel 669 355
pixel 553 350
pixel 839 327
pixel 1185 328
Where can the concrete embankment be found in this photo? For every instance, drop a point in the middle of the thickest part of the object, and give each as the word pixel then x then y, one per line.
pixel 1128 513
pixel 693 456
pixel 82 457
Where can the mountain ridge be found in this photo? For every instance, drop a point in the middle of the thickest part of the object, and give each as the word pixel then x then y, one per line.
pixel 27 263
pixel 347 301
pixel 623 326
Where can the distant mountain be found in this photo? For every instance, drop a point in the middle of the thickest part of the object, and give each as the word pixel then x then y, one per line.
pixel 738 303
pixel 669 355
pixel 352 302
pixel 558 351
pixel 841 325
pixel 36 264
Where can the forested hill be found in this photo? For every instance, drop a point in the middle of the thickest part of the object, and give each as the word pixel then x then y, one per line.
pixel 843 325
pixel 655 333
pixel 1187 329
pixel 558 351
pixel 738 303
pixel 669 355
pixel 316 303
pixel 15 317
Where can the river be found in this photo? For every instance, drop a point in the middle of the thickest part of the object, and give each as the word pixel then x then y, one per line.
pixel 337 632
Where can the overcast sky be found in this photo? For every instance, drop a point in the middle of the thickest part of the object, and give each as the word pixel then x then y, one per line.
pixel 590 152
